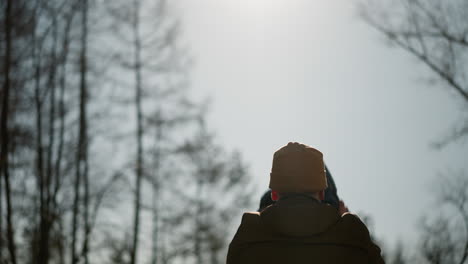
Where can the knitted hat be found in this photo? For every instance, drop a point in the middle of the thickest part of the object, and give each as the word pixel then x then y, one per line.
pixel 298 168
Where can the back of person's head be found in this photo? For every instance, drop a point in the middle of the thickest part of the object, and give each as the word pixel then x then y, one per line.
pixel 298 168
pixel 331 194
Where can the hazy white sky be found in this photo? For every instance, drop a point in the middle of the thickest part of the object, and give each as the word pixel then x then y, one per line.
pixel 310 71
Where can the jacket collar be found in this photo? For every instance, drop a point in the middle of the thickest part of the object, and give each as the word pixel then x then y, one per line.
pixel 299 216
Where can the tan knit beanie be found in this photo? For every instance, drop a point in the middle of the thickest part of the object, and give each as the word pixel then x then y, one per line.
pixel 298 168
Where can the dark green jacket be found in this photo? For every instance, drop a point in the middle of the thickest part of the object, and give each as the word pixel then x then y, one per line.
pixel 300 229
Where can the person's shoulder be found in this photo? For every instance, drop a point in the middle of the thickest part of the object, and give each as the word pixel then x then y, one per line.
pixel 355 227
pixel 247 232
pixel 359 233
pixel 352 219
pixel 248 227
pixel 250 218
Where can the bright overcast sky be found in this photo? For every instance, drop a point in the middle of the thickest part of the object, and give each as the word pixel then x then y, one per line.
pixel 311 71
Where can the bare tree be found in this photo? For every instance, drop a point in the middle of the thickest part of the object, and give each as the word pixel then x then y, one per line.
pixel 217 191
pixel 398 256
pixel 164 126
pixel 39 63
pixel 82 150
pixel 4 171
pixel 156 62
pixel 437 242
pixel 49 196
pixel 139 131
pixel 435 33
pixel 445 238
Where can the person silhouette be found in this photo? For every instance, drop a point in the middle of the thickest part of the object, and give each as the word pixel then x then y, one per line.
pixel 298 227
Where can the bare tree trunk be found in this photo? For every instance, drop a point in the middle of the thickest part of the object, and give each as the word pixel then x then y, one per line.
pixel 61 105
pixel 75 214
pixel 156 182
pixel 6 89
pixel 214 255
pixel 155 209
pixel 9 215
pixel 197 235
pixel 52 102
pixel 464 216
pixel 52 84
pixel 46 217
pixel 1 220
pixel 4 171
pixel 39 255
pixel 139 135
pixel 40 163
pixel 81 161
pixel 61 246
pixel 84 131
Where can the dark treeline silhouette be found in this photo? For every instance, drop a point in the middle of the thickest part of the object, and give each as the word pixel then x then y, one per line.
pixel 105 155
